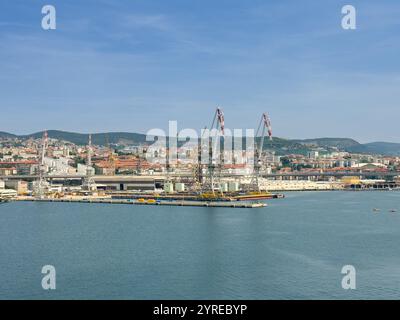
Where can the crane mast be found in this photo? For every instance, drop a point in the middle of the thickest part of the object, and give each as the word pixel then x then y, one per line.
pixel 89 151
pixel 264 127
pixel 41 187
pixel 89 183
pixel 213 169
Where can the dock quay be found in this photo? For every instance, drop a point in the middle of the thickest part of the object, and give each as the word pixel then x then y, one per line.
pixel 196 197
pixel 183 203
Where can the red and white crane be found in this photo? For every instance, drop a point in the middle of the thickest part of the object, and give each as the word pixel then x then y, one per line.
pixel 217 130
pixel 264 128
pixel 42 184
pixel 89 183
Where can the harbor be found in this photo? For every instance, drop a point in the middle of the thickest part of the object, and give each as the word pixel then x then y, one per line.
pixel 206 173
pixel 200 159
pixel 171 252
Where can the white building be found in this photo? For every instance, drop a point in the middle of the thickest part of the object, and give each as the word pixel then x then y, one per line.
pixel 7 193
pixel 313 154
pixel 59 166
pixel 82 169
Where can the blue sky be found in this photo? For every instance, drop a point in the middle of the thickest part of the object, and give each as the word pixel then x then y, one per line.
pixel 133 65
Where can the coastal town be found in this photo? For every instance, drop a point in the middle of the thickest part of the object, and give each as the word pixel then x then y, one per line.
pixel 123 168
pixel 199 159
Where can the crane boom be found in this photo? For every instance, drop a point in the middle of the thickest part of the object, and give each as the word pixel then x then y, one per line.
pixel 263 127
pixel 218 124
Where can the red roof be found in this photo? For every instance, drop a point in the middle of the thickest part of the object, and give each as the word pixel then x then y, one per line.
pixel 19 162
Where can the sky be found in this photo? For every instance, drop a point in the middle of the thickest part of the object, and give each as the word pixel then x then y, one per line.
pixel 133 65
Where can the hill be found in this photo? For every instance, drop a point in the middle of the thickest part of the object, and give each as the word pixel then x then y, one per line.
pixel 385 148
pixel 97 138
pixel 280 145
pixel 6 135
pixel 340 143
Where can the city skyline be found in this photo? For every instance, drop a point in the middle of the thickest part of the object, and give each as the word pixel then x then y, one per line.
pixel 231 134
pixel 119 66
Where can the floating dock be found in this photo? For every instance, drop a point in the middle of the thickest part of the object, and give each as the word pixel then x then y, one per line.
pixel 197 197
pixel 180 203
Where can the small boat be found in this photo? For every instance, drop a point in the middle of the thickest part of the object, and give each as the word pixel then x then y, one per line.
pixel 376 209
pixel 392 210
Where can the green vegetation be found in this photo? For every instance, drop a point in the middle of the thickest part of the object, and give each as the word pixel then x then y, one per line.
pixel 279 145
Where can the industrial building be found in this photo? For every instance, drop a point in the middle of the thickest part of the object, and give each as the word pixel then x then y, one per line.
pixel 129 183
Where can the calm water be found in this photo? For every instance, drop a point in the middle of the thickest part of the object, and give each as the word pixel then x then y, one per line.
pixel 293 249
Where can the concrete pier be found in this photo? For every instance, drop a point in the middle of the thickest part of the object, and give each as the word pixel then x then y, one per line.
pixel 183 203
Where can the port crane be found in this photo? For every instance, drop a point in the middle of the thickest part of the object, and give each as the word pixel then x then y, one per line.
pixel 213 169
pixel 111 157
pixel 168 170
pixel 42 185
pixel 89 183
pixel 264 128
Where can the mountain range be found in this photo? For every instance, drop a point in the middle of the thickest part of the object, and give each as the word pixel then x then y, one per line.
pixel 280 145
